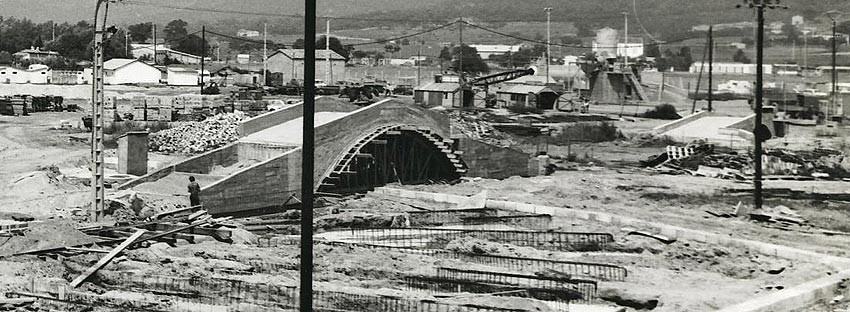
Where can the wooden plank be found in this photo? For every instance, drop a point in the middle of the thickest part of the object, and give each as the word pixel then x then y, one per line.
pixel 86 249
pixel 105 260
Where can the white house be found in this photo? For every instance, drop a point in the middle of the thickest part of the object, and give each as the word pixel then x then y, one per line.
pixel 290 64
pixel 631 49
pixel 128 71
pixel 247 33
pixel 181 76
pixel 35 54
pixel 243 58
pixel 36 73
pixel 486 50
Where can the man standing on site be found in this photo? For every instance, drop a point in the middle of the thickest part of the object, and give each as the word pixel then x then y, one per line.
pixel 194 192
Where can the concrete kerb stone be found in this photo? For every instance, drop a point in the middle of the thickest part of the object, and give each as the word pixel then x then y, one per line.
pixel 789 299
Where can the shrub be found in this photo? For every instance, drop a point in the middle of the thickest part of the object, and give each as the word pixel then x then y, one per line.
pixel 662 111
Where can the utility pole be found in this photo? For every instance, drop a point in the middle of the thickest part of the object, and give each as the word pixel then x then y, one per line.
pixel 328 76
pixel 460 60
pixel 203 53
pixel 265 51
pixel 419 65
pixel 154 44
pixel 307 158
pixel 548 41
pixel 710 65
pixel 831 108
pixel 97 114
pixel 626 40
pixel 805 51
pixel 759 5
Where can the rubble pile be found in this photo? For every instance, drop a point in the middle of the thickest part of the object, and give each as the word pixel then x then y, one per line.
pixel 198 137
pixel 473 127
pixel 705 161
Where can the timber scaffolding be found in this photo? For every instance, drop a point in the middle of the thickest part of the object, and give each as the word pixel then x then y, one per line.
pixel 190 294
pixel 439 237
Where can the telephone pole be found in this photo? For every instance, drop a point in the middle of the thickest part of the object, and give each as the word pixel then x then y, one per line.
pixel 758 130
pixel 307 158
pixel 460 60
pixel 328 76
pixel 831 108
pixel 548 41
pixel 154 44
pixel 97 168
pixel 626 40
pixel 710 65
pixel 203 53
pixel 265 51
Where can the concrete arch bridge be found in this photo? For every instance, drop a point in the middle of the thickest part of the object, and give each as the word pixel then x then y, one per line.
pixel 357 149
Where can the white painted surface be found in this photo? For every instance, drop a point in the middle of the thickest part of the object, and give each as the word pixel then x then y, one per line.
pixel 290 132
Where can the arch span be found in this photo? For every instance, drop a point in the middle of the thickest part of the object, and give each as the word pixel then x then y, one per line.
pixel 406 154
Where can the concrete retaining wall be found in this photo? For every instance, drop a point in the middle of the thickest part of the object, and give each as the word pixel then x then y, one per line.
pixel 204 163
pixel 495 162
pixel 266 184
pixel 679 122
pixel 790 299
pixel 271 119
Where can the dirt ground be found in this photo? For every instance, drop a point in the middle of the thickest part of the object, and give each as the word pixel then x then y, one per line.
pixel 44 174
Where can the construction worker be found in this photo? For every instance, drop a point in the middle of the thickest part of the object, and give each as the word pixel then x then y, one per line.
pixel 194 192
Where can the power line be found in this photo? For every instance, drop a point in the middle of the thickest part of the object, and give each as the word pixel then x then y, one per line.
pixel 407 36
pixel 267 14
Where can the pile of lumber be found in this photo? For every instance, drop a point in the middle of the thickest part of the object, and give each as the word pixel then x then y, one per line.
pixel 198 137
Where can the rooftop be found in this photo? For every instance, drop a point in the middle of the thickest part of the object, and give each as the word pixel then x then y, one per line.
pixel 439 87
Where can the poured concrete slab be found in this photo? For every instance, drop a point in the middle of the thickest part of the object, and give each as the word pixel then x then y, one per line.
pixel 290 133
pixel 176 183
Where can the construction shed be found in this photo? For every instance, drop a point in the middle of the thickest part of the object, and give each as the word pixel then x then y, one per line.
pixel 541 97
pixel 437 94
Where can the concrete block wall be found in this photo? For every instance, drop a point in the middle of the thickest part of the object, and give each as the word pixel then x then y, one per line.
pixel 259 151
pixel 495 162
pixel 266 184
pixel 270 119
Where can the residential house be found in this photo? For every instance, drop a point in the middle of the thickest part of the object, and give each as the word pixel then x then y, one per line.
pixel 289 63
pixel 130 71
pixel 537 96
pixel 34 54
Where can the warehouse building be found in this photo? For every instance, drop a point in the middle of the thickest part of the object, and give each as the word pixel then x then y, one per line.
pixel 129 71
pixel 289 63
pixel 537 96
pixel 181 76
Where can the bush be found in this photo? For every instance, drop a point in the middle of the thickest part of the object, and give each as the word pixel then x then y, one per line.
pixel 522 109
pixel 662 111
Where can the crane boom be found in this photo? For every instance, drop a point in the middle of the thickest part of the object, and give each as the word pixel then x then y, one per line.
pixel 502 77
